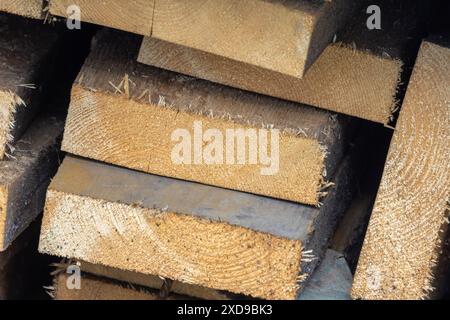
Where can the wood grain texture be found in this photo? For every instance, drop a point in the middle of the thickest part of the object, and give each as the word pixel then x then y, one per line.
pixel 192 233
pixel 154 282
pixel 342 79
pixel 100 289
pixel 403 242
pixel 132 15
pixel 358 75
pixel 27 8
pixel 331 281
pixel 280 36
pixel 158 102
pixel 24 179
pixel 26 48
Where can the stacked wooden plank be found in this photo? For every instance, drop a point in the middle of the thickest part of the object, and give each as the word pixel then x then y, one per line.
pixel 357 75
pixel 294 32
pixel 206 160
pixel 151 230
pixel 274 47
pixel 29 145
pixel 410 218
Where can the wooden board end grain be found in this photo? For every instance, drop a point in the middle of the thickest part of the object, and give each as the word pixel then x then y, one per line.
pixel 202 235
pixel 410 217
pixel 359 75
pixel 280 36
pixel 158 103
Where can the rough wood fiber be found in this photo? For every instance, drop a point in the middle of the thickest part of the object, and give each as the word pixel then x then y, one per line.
pixel 25 177
pixel 280 36
pixel 154 282
pixel 197 234
pixel 25 50
pixel 358 75
pixel 156 102
pixel 27 8
pixel 131 15
pixel 410 216
pixel 94 288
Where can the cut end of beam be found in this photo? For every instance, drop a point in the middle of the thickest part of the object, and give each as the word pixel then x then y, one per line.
pixel 160 105
pixel 410 217
pixel 258 252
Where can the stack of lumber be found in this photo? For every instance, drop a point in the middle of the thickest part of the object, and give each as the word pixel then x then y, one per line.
pixel 186 231
pixel 210 228
pixel 213 151
pixel 29 143
pixel 211 224
pixel 277 48
pixel 294 33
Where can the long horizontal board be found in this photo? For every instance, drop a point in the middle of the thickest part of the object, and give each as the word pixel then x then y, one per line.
pixel 159 106
pixel 279 36
pixel 202 235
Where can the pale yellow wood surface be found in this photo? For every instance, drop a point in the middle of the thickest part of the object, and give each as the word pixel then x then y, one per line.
pixel 27 8
pixel 410 216
pixel 281 36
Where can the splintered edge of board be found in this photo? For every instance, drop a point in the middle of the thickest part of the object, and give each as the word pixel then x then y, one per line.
pixel 162 108
pixel 132 15
pixel 25 177
pixel 27 8
pixel 342 79
pixel 94 288
pixel 197 234
pixel 153 282
pixel 24 68
pixel 281 36
pixel 410 216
